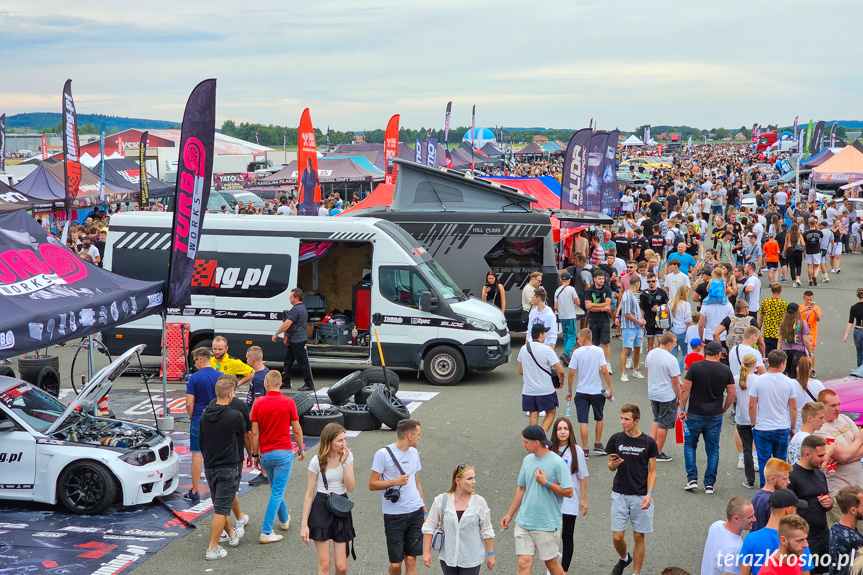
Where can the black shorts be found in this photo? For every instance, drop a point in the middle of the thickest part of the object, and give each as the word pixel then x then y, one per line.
pixel 404 535
pixel 223 483
pixel 583 403
pixel 653 331
pixel 771 265
pixel 537 403
pixel 601 332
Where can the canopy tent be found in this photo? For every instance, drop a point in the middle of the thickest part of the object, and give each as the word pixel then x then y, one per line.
pixel 362 161
pixel 817 159
pixel 479 136
pixel 843 167
pixel 46 189
pixel 531 150
pixel 553 147
pixel 330 171
pixel 373 152
pixel 125 173
pixel 381 196
pixel 545 198
pixel 56 296
pixel 632 140
pixel 12 200
pixel 490 149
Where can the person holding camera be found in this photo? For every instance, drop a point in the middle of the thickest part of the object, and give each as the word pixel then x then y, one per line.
pixel 466 532
pixel 395 472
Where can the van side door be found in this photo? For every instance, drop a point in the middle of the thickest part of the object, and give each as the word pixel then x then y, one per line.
pixel 402 327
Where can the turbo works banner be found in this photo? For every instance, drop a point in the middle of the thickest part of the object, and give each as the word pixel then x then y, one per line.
pixel 391 149
pixel 575 170
pixel 593 179
pixel 610 192
pixel 307 161
pixel 71 162
pixel 142 170
pixel 194 174
pixel 448 161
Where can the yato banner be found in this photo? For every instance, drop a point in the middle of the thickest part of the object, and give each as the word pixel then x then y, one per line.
pixel 575 171
pixel 235 181
pixel 71 162
pixel 194 174
pixel 391 149
pixel 307 161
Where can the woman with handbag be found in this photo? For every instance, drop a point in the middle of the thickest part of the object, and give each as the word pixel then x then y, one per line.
pixel 459 527
pixel 326 507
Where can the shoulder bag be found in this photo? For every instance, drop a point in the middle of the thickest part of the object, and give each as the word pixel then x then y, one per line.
pixel 337 503
pixel 555 379
pixel 438 537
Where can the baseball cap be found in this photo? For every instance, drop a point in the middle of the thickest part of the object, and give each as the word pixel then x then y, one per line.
pixel 780 499
pixel 793 307
pixel 537 330
pixel 706 272
pixel 536 433
pixel 695 342
pixel 566 276
pixel 713 348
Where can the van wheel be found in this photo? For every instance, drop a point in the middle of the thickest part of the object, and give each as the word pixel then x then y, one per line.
pixel 314 422
pixel 304 403
pixel 86 488
pixel 443 365
pixel 345 388
pixel 381 375
pixel 359 418
pixel 388 408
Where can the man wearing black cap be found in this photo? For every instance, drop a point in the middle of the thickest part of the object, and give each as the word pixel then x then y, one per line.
pixel 709 388
pixel 543 482
pixel 759 545
pixel 536 363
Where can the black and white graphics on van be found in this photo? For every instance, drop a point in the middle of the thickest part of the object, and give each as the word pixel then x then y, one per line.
pixel 371 271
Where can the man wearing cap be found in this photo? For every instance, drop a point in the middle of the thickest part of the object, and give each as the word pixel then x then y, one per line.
pixel 536 363
pixel 705 385
pixel 543 482
pixel 772 410
pixel 566 302
pixel 759 545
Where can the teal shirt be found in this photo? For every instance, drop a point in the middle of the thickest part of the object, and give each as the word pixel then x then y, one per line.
pixel 540 507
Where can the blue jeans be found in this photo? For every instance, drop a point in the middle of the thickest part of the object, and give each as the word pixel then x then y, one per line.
pixel 772 443
pixel 681 345
pixel 277 464
pixel 710 426
pixel 570 329
pixel 858 343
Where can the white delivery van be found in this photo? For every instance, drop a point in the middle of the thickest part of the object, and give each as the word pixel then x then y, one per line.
pixel 370 272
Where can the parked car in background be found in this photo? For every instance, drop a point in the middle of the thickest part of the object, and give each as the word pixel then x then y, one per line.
pixel 235 196
pixel 850 392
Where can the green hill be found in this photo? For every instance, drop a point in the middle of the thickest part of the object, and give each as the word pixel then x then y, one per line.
pixel 39 121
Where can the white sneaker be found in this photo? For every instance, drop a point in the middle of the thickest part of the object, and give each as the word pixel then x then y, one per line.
pixel 637 374
pixel 755 463
pixel 624 377
pixel 628 363
pixel 286 525
pixel 832 271
pixel 609 370
pixel 740 463
pixel 242 522
pixel 216 553
pixel 223 538
pixel 269 538
pixel 238 534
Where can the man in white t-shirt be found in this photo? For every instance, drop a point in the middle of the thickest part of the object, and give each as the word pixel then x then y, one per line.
pixel 712 315
pixel 536 364
pixel 566 303
pixel 663 389
pixel 772 410
pixel 542 314
pixel 724 539
pixel 589 360
pixel 674 279
pixel 812 414
pixel 752 288
pixel 748 345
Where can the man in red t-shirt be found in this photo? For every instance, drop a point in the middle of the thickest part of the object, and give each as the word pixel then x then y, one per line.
pixel 793 531
pixel 274 418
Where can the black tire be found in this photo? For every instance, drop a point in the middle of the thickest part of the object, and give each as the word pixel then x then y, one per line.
pixel 376 375
pixel 86 488
pixel 30 366
pixel 305 402
pixel 362 396
pixel 7 371
pixel 314 421
pixel 342 391
pixel 49 381
pixel 388 408
pixel 443 365
pixel 359 418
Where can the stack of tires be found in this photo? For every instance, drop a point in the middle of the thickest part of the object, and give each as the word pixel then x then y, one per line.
pixel 43 371
pixel 374 403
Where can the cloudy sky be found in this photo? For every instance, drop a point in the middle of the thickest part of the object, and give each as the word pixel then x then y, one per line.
pixel 523 63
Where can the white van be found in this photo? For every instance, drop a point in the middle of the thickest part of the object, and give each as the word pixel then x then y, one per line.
pixel 370 271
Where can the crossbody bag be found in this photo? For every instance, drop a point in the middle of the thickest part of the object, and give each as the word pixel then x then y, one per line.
pixel 337 503
pixel 555 379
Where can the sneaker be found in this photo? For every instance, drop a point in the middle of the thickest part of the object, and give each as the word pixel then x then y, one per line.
pixel 838 271
pixel 628 363
pixel 238 534
pixel 216 553
pixel 621 565
pixel 832 271
pixel 812 374
pixel 223 538
pixel 269 538
pixel 749 485
pixel 814 282
pixel 194 498
pixel 609 370
pixel 709 490
pixel 825 279
pixel 663 457
pixel 306 388
pixel 624 377
pixel 755 463
pixel 692 485
pixel 261 479
pixel 740 463
pixel 783 279
pixel 598 449
pixel 637 374
pixel 242 522
pixel 587 453
pixel 564 359
pixel 286 525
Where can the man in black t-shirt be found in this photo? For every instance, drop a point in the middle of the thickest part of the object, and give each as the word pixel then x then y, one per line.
pixel 699 291
pixel 709 389
pixel 809 484
pixel 651 298
pixel 731 198
pixel 632 457
pixel 812 240
pixel 598 301
pixel 780 239
pixel 295 338
pixel 642 244
pixel 623 241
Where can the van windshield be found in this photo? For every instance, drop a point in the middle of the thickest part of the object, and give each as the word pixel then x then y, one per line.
pixel 441 281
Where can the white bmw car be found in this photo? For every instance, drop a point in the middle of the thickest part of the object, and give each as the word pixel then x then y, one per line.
pixel 53 453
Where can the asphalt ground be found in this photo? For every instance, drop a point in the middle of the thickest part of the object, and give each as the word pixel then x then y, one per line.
pixel 479 421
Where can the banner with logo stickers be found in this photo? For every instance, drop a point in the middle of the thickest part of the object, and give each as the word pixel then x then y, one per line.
pixel 49 295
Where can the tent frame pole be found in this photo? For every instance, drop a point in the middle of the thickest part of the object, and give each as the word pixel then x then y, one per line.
pixel 166 422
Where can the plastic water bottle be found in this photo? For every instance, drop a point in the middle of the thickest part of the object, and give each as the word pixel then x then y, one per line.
pixel 569 408
pixel 685 428
pixel 607 395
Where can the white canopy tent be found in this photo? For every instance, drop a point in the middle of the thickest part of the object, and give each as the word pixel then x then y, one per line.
pixel 632 141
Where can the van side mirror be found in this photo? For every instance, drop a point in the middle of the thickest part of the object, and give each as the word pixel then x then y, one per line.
pixel 428 303
pixel 7 425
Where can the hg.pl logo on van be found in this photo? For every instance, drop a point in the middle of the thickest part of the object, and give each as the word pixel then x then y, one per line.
pixel 208 273
pixel 241 275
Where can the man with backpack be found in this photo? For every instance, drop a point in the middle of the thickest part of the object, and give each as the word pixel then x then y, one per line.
pixel 734 326
pixel 654 301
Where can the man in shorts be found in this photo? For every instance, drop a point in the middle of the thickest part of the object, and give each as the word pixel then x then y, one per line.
pixel 200 391
pixel 812 242
pixel 651 298
pixel 631 322
pixel 543 481
pixel 598 301
pixel 663 389
pixel 536 363
pixel 632 457
pixel 590 362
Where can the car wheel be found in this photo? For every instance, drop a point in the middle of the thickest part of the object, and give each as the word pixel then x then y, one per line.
pixel 345 388
pixel 359 418
pixel 381 375
pixel 443 365
pixel 86 488
pixel 362 396
pixel 387 407
pixel 30 366
pixel 304 403
pixel 314 422
pixel 7 371
pixel 49 380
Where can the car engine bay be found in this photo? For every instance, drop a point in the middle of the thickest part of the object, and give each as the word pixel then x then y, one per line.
pixel 108 432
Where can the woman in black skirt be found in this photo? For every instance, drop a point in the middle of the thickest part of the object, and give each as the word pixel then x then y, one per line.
pixel 319 525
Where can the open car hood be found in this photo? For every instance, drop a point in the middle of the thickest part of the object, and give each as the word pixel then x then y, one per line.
pixel 98 387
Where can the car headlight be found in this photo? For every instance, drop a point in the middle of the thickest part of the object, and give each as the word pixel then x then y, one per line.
pixel 852 415
pixel 138 458
pixel 479 324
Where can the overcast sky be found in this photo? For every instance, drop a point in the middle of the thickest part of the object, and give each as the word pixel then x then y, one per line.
pixel 523 63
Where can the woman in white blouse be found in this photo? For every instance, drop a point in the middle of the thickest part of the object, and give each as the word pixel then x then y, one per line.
pixel 465 519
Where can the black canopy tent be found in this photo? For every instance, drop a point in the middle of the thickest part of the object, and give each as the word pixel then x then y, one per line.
pixel 12 200
pixel 49 295
pixel 125 173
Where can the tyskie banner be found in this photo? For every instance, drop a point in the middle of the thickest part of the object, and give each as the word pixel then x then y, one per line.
pixel 610 192
pixel 71 161
pixel 574 171
pixel 593 177
pixel 391 149
pixel 817 138
pixel 3 143
pixel 431 151
pixel 309 192
pixel 194 174
pixel 448 161
pixel 142 169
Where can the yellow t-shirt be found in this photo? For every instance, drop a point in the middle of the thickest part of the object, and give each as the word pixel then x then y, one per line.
pixel 231 365
pixel 773 310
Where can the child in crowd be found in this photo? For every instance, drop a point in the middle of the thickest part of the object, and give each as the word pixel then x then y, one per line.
pixel 692 331
pixel 697 347
pixel 716 289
